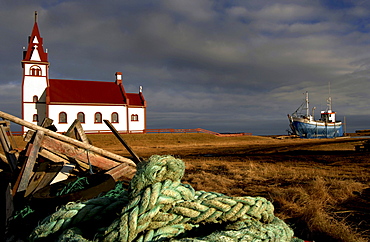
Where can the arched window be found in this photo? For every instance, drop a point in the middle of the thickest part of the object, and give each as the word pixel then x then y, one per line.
pixel 81 117
pixel 35 99
pixel 114 118
pixel 98 118
pixel 134 117
pixel 35 71
pixel 62 117
pixel 35 118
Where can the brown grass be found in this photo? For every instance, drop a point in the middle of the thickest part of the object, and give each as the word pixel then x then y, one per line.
pixel 320 187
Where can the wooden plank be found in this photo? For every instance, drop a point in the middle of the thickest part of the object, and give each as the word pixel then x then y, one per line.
pixel 62 158
pixel 66 139
pixel 76 131
pixel 30 161
pixel 29 134
pixel 122 172
pixel 42 177
pixel 6 125
pixel 123 142
pixel 35 180
pixel 50 175
pixel 84 155
pixel 4 140
pixel 47 122
pixel 6 204
pixel 3 158
pixel 7 147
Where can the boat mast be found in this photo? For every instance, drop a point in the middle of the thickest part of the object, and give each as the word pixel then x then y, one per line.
pixel 307 107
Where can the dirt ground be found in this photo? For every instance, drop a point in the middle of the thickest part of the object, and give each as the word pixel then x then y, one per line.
pixel 325 175
pixel 233 168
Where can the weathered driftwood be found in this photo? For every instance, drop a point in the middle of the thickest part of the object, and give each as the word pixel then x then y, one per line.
pixel 68 140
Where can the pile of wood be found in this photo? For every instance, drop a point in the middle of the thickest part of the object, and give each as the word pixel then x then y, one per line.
pixel 30 173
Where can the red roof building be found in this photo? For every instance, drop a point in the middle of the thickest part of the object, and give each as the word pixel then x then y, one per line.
pixel 66 100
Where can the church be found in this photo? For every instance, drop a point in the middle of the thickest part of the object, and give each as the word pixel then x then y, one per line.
pixel 63 101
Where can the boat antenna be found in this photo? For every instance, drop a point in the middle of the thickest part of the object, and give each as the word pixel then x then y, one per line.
pixel 329 100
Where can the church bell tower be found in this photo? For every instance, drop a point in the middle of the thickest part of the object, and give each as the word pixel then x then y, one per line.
pixel 35 78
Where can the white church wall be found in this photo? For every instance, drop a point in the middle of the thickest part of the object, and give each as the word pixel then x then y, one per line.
pixel 30 109
pixel 89 111
pixel 137 125
pixel 33 86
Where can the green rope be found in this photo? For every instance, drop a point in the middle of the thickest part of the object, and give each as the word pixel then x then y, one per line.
pixel 27 210
pixel 157 206
pixel 78 185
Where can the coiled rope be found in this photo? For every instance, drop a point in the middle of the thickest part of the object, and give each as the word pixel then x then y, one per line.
pixel 157 207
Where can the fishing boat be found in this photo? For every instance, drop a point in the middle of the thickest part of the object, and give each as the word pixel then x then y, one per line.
pixel 303 123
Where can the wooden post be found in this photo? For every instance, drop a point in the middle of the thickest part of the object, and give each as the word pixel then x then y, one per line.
pixel 119 137
pixel 66 139
pixel 25 175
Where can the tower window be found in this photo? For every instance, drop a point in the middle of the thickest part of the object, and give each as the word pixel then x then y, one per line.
pixel 81 117
pixel 62 117
pixel 35 118
pixel 114 117
pixel 134 117
pixel 35 71
pixel 35 99
pixel 98 118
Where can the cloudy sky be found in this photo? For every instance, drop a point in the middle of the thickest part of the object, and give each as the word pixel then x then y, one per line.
pixel 222 65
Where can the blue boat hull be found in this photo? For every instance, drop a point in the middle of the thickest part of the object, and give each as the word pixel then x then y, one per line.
pixel 317 130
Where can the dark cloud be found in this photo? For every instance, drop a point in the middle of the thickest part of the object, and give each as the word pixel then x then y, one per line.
pixel 222 65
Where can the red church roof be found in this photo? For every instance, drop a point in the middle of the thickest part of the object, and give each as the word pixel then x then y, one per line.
pixel 91 93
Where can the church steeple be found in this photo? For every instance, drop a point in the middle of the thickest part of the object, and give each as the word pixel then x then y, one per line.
pixel 35 78
pixel 35 50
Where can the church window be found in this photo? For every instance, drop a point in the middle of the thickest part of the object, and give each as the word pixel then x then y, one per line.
pixel 134 117
pixel 62 117
pixel 114 117
pixel 35 99
pixel 35 71
pixel 81 117
pixel 98 117
pixel 35 118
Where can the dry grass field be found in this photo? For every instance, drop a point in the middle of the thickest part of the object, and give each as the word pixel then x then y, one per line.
pixel 320 187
